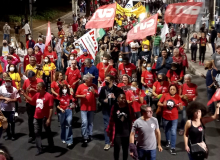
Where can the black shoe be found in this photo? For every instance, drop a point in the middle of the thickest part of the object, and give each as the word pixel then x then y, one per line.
pixel 168 145
pixel 31 139
pixel 85 142
pixel 13 138
pixel 7 138
pixel 38 153
pixel 90 138
pixel 173 151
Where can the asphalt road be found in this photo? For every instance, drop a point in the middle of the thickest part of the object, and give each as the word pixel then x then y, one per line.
pixel 22 150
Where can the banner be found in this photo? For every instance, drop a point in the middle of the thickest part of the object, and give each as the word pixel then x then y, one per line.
pixel 136 10
pixel 129 4
pixel 103 17
pixel 88 41
pixel 183 12
pixel 146 28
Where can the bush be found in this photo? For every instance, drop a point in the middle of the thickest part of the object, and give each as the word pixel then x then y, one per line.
pixel 14 18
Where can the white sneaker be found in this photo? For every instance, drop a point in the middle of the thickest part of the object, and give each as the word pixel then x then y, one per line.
pixel 107 147
pixel 16 114
pixel 63 142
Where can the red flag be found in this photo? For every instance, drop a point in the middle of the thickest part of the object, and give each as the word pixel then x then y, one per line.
pixel 103 17
pixel 215 97
pixel 146 28
pixel 48 38
pixel 190 0
pixel 183 12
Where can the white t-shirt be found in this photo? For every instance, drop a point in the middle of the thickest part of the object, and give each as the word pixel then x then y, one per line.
pixel 132 44
pixel 5 50
pixel 27 29
pixel 21 53
pixel 83 21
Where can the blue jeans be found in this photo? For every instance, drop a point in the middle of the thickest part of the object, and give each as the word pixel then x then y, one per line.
pixel 134 58
pixel 183 121
pixel 156 50
pixel 66 126
pixel 106 117
pixel 87 123
pixel 170 131
pixel 210 92
pixel 59 62
pixel 146 154
pixel 213 47
pixel 6 36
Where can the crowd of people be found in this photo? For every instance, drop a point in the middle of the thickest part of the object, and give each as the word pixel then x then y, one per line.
pixel 126 80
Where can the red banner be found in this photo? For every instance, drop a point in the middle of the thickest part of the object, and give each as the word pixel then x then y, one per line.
pixel 103 17
pixel 146 28
pixel 183 12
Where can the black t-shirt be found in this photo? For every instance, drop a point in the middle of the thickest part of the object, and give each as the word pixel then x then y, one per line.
pixel 115 53
pixel 145 55
pixel 119 39
pixel 17 29
pixel 65 60
pixel 122 121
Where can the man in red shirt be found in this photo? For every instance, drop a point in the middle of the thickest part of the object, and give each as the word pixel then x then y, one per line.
pixel 51 54
pixel 126 67
pixel 75 27
pixel 43 114
pixel 27 58
pixel 30 87
pixel 104 67
pixel 82 58
pixel 73 75
pixel 87 92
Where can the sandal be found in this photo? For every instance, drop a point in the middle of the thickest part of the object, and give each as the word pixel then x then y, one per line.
pixel 181 132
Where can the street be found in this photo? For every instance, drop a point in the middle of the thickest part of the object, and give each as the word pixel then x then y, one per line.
pixel 22 150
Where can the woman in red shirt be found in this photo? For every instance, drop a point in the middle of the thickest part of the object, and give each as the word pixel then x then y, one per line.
pixel 125 84
pixel 202 48
pixel 159 88
pixel 65 106
pixel 189 94
pixel 55 89
pixel 135 98
pixel 175 74
pixel 170 103
pixel 38 54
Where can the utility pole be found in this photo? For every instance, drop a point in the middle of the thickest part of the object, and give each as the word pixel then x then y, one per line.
pixel 30 7
pixel 212 5
pixel 74 6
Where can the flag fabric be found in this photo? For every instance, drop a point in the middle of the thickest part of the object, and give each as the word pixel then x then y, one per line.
pixel 164 31
pixel 143 16
pixel 183 13
pixel 48 37
pixel 190 0
pixel 145 28
pixel 99 34
pixel 103 17
pixel 159 12
pixel 215 97
pixel 129 4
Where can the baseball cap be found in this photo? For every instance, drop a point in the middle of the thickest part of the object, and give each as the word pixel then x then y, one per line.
pixel 85 50
pixel 8 79
pixel 31 74
pixel 74 52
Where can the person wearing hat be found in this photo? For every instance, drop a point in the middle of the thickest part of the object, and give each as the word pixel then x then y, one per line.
pixel 82 58
pixel 40 44
pixel 8 97
pixel 30 87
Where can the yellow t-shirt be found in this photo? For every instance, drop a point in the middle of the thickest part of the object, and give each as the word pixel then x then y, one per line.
pixel 33 68
pixel 119 21
pixel 48 67
pixel 15 77
pixel 147 42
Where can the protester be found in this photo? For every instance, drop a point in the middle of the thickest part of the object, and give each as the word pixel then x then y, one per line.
pixel 203 42
pixel 82 59
pixel 91 69
pixel 195 128
pixel 215 57
pixel 134 50
pixel 30 42
pixel 119 127
pixel 51 54
pixel 27 29
pixel 42 116
pixel 108 97
pixel 126 67
pixel 175 74
pixel 156 46
pixel 10 60
pixel 213 38
pixel 149 137
pixel 40 45
pixel 178 42
pixel 163 63
pixel 6 29
pixel 194 47
pixel 87 92
pixel 144 55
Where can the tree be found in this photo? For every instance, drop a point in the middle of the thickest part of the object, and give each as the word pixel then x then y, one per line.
pixel 88 8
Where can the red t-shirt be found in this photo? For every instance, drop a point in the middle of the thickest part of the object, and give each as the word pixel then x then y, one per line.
pixel 51 55
pixel 89 102
pixel 101 69
pixel 72 76
pixel 170 111
pixel 190 92
pixel 148 78
pixel 128 68
pixel 43 105
pixel 174 76
pixel 56 87
pixel 160 89
pixel 136 105
pixel 33 85
pixel 75 27
pixel 65 101
pixel 83 58
pixel 38 57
